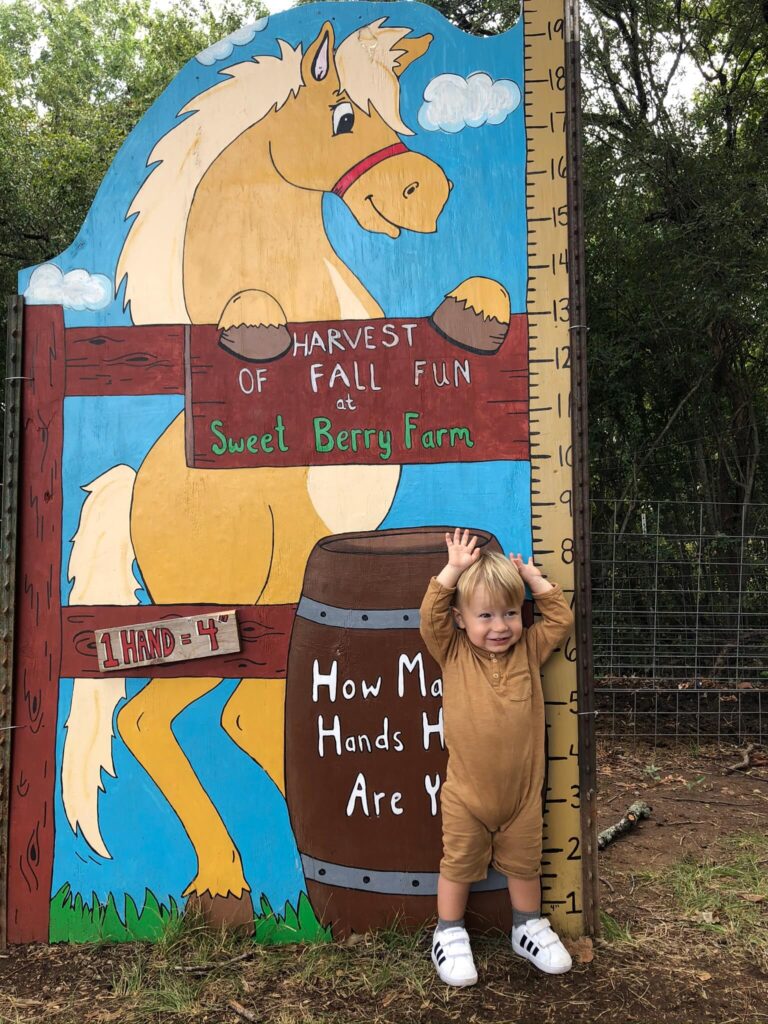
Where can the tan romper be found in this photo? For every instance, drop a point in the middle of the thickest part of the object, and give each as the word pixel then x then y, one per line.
pixel 493 718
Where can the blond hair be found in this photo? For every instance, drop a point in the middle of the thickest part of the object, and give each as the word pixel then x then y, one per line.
pixel 498 575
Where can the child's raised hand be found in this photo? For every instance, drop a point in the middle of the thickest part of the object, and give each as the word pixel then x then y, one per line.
pixel 528 571
pixel 531 575
pixel 462 551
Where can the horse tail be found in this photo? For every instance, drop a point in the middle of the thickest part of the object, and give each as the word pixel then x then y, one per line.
pixel 101 570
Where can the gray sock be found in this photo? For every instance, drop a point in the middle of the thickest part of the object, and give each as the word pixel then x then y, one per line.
pixel 442 924
pixel 523 917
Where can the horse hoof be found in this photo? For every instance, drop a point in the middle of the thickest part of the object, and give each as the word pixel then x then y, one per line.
pixel 253 327
pixel 256 344
pixel 235 913
pixel 475 316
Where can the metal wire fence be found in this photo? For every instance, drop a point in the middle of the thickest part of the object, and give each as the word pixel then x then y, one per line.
pixel 680 619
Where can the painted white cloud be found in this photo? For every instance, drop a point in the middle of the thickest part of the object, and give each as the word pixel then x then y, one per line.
pixel 452 103
pixel 225 46
pixel 77 289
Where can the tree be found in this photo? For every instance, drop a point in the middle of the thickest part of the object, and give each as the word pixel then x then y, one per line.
pixel 676 207
pixel 75 77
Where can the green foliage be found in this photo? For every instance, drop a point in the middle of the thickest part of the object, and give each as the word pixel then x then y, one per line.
pixel 676 194
pixel 477 17
pixel 75 77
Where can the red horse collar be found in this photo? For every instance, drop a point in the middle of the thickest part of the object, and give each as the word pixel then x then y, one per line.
pixel 358 170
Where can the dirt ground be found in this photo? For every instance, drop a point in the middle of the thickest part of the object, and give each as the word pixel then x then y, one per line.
pixel 685 937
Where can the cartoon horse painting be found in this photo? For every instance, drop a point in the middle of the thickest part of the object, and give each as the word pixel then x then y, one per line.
pixel 228 229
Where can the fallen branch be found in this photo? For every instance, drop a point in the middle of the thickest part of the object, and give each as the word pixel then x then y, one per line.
pixel 743 763
pixel 636 813
pixel 242 1012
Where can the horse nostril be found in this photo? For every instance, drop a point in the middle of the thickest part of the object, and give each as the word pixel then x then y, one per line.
pixel 410 189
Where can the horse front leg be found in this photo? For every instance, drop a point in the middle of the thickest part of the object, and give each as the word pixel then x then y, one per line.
pixel 254 327
pixel 475 315
pixel 219 887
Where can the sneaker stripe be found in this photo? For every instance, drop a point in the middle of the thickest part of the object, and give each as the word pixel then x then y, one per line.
pixel 535 950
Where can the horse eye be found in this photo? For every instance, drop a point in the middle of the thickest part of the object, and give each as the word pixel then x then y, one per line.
pixel 343 118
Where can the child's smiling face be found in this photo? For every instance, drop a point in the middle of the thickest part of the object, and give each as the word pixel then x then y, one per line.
pixel 489 624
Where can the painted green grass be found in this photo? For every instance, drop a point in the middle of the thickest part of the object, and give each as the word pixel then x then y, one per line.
pixel 75 920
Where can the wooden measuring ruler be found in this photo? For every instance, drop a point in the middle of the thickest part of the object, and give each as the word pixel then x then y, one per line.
pixel 552 498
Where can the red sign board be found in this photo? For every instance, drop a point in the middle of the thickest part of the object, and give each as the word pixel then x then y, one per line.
pixel 362 392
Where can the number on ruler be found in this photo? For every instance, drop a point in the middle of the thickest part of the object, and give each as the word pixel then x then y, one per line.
pixel 570 651
pixel 555 28
pixel 560 312
pixel 559 169
pixel 574 854
pixel 560 260
pixel 557 78
pixel 565 455
pixel 560 216
pixel 566 550
pixel 571 896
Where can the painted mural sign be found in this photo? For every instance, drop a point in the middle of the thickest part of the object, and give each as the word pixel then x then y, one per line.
pixel 156 643
pixel 317 313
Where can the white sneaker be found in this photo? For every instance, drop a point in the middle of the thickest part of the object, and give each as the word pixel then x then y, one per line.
pixel 537 942
pixel 452 957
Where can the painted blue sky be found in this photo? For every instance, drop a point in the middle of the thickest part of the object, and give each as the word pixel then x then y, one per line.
pixel 481 230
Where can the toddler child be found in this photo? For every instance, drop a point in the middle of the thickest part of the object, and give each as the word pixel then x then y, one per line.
pixel 493 718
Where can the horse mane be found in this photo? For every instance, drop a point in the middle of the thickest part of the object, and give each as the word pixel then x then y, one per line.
pixel 152 255
pixel 153 250
pixel 367 62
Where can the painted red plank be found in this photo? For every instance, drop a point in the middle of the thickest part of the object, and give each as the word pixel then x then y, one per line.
pixel 358 391
pixel 125 360
pixel 38 627
pixel 264 634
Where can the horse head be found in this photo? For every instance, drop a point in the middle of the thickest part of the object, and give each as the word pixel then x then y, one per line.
pixel 341 132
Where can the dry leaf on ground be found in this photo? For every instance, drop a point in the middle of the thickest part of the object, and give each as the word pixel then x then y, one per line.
pixel 581 949
pixel 704 917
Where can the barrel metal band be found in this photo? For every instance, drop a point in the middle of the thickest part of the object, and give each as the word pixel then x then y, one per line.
pixel 357 618
pixel 393 883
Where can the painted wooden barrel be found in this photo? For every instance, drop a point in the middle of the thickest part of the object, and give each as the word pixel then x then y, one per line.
pixel 364 752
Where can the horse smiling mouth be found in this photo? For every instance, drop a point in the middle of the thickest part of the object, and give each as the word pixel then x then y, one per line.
pixel 395 227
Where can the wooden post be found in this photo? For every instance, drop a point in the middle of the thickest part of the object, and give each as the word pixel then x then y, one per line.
pixel 7 580
pixel 38 628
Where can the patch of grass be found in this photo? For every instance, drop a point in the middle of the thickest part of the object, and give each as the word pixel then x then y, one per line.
pixel 299 925
pixel 75 920
pixel 652 771
pixel 612 930
pixel 714 894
